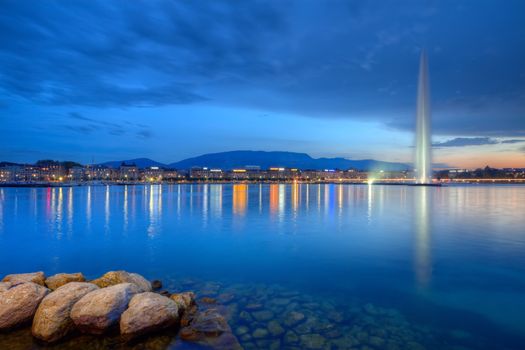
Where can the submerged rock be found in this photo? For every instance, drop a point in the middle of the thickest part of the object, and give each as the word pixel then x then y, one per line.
pixel 52 320
pixel 61 279
pixel 226 298
pixel 376 341
pixel 245 317
pixel 260 333
pixel 35 277
pixel 312 341
pixel 291 337
pixel 263 315
pixel 156 284
pixel 209 323
pixel 112 278
pixel 101 309
pixel 18 304
pixel 148 312
pixel 208 300
pixel 293 318
pixel 275 328
pixel 242 330
pixel 209 328
pixel 183 300
pixel 187 315
pixel 254 306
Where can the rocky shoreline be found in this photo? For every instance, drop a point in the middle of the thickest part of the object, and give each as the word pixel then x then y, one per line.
pixel 66 304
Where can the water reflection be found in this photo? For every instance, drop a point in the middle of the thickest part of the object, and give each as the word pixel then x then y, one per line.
pixel 295 196
pixel 2 199
pixel 422 261
pixel 125 208
pixel 70 211
pixel 216 200
pixel 205 203
pixel 106 211
pixel 274 199
pixel 240 199
pixel 88 207
pixel 369 202
pixel 339 241
pixel 154 209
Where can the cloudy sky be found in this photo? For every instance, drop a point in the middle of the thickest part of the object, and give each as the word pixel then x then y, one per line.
pixel 109 80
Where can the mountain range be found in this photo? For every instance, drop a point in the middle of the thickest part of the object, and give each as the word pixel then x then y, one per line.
pixel 238 159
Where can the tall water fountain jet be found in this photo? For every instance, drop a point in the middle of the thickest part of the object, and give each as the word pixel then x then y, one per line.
pixel 423 159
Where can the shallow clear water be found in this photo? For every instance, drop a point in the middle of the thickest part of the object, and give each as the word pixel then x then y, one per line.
pixel 369 266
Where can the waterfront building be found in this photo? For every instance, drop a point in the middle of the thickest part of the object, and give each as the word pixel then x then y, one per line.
pixel 276 173
pixel 239 174
pixel 172 175
pixel 152 174
pixel 100 172
pixel 128 172
pixel 77 173
pixel 216 174
pixel 199 173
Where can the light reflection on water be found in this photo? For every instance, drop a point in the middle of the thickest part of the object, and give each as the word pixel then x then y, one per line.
pixel 413 248
pixel 422 261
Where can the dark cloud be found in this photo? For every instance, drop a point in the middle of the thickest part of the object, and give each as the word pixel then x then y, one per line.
pixel 86 125
pixel 144 134
pixel 466 141
pixel 337 59
pixel 513 141
pixel 474 141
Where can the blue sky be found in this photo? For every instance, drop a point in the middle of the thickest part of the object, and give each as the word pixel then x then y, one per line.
pixel 173 79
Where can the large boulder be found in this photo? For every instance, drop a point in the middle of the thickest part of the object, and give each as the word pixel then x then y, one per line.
pixel 52 320
pixel 18 304
pixel 4 286
pixel 209 328
pixel 35 277
pixel 60 279
pixel 101 309
pixel 117 277
pixel 148 312
pixel 183 300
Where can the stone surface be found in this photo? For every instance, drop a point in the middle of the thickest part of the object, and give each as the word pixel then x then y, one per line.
pixel 260 333
pixel 183 300
pixel 226 298
pixel 60 279
pixel 209 328
pixel 208 300
pixel 293 317
pixel 52 321
pixel 253 306
pixel 242 330
pixel 264 315
pixel 275 328
pixel 312 341
pixel 148 312
pixel 35 277
pixel 156 284
pixel 291 338
pixel 165 293
pixel 112 278
pixel 18 304
pixel 5 286
pixel 101 309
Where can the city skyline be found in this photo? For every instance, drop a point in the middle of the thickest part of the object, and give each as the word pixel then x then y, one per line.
pixel 102 81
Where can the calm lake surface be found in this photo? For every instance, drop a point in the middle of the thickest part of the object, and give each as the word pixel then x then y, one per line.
pixel 371 267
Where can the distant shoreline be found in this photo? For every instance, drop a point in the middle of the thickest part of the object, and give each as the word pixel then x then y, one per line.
pixel 196 182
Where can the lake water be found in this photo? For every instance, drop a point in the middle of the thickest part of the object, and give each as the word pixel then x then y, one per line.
pixel 370 267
